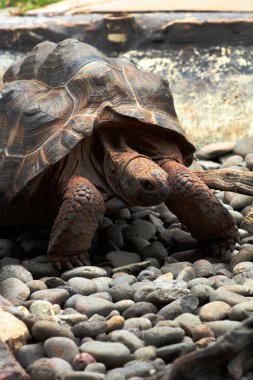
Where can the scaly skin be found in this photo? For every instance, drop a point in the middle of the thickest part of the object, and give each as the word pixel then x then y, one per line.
pixel 199 210
pixel 81 211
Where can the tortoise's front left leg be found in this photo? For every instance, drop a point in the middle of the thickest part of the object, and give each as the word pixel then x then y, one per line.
pixel 199 210
pixel 80 213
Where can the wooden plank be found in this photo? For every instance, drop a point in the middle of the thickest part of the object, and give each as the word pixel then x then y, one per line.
pixel 115 6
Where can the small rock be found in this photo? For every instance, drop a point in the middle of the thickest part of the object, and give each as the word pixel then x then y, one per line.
pixel 219 281
pixel 226 296
pixel 241 311
pixel 201 331
pixel 42 330
pixel 172 351
pixel 42 310
pixel 231 160
pixel 186 274
pixel 10 368
pixel 145 353
pixel 85 285
pixel 249 160
pixel 36 285
pixel 89 328
pixel 38 269
pixel 132 268
pixel 9 248
pixel 111 354
pixel 175 268
pixel 89 272
pixel 139 228
pixel 90 305
pixel 162 336
pixel 244 146
pixel 115 323
pixel 188 322
pixel 203 292
pixel 203 268
pixel 48 369
pixel 164 296
pixel 14 290
pixel 186 304
pixel 209 165
pixel 139 309
pixel 29 353
pixel 96 367
pixel 155 249
pixel 137 323
pixel 128 339
pixel 245 268
pixel 61 347
pixel 12 331
pixel 222 327
pixel 114 234
pixel 121 258
pixel 55 296
pixel 214 311
pixel 125 278
pixel 102 283
pixel 87 375
pixel 245 254
pixel 17 271
pixel 240 201
pixel 82 360
pixel 123 305
pixel 214 150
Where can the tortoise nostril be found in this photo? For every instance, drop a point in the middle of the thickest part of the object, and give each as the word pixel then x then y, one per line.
pixel 147 185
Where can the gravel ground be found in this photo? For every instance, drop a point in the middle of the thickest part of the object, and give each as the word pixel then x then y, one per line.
pixel 150 295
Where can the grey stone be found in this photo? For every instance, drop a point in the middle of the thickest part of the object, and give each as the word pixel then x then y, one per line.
pixel 96 367
pixel 249 160
pixel 123 305
pixel 102 283
pixel 35 285
pixel 128 279
pixel 244 268
pixel 146 353
pixel 226 296
pixel 111 354
pixel 175 268
pixel 146 275
pixel 114 234
pixel 126 338
pixel 90 305
pixel 214 150
pixel 140 295
pixel 186 274
pixel 86 375
pixel 209 165
pixel 48 369
pixel 200 281
pixel 162 336
pixel 155 249
pixel 231 160
pixel 172 351
pixel 245 254
pixel 89 272
pixel 237 216
pixel 14 290
pixel 61 347
pixel 85 285
pixel 188 322
pixel 203 292
pixel 139 309
pixel 89 328
pixel 186 304
pixel 183 240
pixel 135 370
pixel 121 292
pixel 120 258
pixel 244 146
pixel 164 296
pixel 222 327
pixel 17 271
pixel 29 353
pixel 139 228
pixel 42 310
pixel 58 296
pixel 42 330
pixel 220 280
pixel 203 268
pixel 240 201
pixel 132 268
pixel 137 323
pixel 39 269
pixel 241 311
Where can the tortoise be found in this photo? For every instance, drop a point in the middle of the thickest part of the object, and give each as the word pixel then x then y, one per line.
pixel 82 134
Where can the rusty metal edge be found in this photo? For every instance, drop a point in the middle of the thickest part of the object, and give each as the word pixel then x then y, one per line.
pixel 131 31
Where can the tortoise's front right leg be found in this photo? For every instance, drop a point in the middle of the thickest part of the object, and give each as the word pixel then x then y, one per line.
pixel 80 213
pixel 199 210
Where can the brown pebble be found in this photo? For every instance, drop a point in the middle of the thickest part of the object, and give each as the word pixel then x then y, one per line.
pixel 82 360
pixel 115 323
pixel 214 311
pixel 204 342
pixel 201 331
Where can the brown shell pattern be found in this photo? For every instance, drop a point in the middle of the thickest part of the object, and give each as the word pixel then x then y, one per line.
pixel 59 93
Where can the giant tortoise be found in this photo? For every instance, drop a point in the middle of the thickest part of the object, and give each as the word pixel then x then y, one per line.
pixel 82 134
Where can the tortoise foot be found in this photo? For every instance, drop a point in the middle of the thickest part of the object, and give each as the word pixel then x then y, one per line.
pixel 70 260
pixel 224 244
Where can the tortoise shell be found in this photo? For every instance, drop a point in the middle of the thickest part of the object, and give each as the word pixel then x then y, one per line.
pixel 56 96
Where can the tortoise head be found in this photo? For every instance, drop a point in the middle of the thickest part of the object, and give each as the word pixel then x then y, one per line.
pixel 137 179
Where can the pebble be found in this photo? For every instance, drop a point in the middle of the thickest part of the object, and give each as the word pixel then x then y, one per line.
pixel 201 331
pixel 139 309
pixel 123 305
pixel 102 283
pixel 35 285
pixel 185 304
pixel 186 274
pixel 203 268
pixel 48 369
pixel 146 353
pixel 244 146
pixel 128 339
pixel 42 330
pixel 241 311
pixel 90 305
pixel 217 149
pixel 156 250
pixel 226 296
pixel 188 322
pixel 175 268
pixel 82 360
pixel 115 323
pixel 14 290
pixel 172 351
pixel 123 279
pixel 87 375
pixel 245 254
pixel 111 354
pixel 42 310
pixel 29 353
pixel 58 296
pixel 9 248
pixel 134 371
pixel 245 268
pixel 85 285
pixel 214 311
pixel 120 258
pixel 164 296
pixel 139 228
pixel 137 323
pixel 38 269
pixel 203 292
pixel 162 336
pixel 240 201
pixel 13 331
pixel 96 367
pixel 17 271
pixel 89 328
pixel 121 292
pixel 89 272
pixel 222 327
pixel 61 347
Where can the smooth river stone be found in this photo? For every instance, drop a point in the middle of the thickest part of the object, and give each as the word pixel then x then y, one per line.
pixel 90 305
pixel 111 354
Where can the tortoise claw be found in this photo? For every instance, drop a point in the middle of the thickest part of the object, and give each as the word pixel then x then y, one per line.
pixel 69 261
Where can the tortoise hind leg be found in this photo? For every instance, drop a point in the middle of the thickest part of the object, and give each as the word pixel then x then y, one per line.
pixel 199 210
pixel 80 213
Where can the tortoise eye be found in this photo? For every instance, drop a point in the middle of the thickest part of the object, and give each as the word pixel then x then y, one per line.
pixel 147 185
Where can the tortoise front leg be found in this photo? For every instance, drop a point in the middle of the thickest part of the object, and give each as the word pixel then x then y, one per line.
pixel 199 210
pixel 81 211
